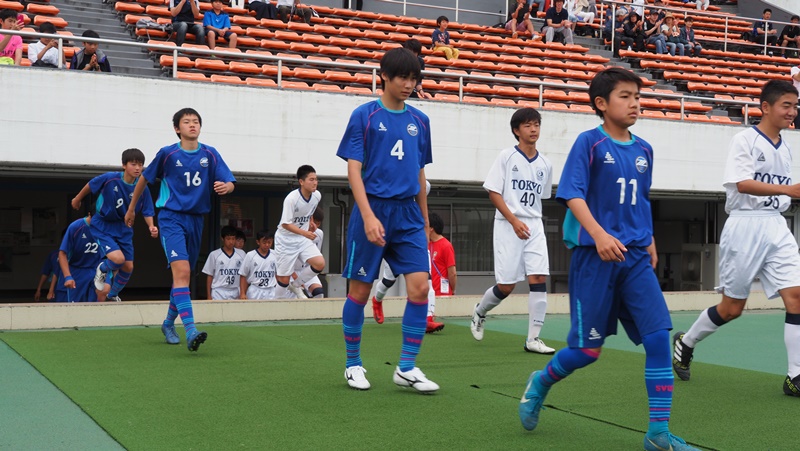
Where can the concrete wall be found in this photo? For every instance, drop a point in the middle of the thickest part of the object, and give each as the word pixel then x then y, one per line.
pixel 90 118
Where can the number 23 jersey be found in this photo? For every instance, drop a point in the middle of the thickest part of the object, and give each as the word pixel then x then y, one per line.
pixel 393 146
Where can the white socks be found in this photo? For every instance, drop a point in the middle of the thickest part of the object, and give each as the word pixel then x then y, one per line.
pixel 537 307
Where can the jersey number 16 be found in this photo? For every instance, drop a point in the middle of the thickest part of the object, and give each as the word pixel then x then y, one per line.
pixel 196 180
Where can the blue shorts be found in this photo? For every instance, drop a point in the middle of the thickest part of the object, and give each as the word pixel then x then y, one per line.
pixel 180 235
pixel 113 236
pixel 406 249
pixel 84 286
pixel 600 293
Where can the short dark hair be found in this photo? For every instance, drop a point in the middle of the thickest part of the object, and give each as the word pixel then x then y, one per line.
pixel 7 14
pixel 304 170
pixel 227 231
pixel 688 19
pixel 90 34
pixel 240 235
pixel 795 17
pixel 436 222
pixel 176 118
pixel 414 45
pixel 441 19
pixel 606 81
pixel 266 233
pixel 47 28
pixel 318 215
pixel 399 62
pixel 132 155
pixel 522 116
pixel 774 89
pixel 767 10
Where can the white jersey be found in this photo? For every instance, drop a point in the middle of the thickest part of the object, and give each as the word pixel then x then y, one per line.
pixel 259 271
pixel 753 156
pixel 317 242
pixel 298 211
pixel 522 182
pixel 224 272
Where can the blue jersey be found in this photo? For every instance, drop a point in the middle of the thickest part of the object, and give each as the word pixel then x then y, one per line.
pixel 614 179
pixel 393 146
pixel 114 197
pixel 79 245
pixel 50 266
pixel 187 177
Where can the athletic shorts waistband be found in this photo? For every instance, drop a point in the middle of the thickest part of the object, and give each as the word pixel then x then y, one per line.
pixel 391 200
pixel 755 213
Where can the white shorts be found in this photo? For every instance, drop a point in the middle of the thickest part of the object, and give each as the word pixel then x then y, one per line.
pixel 224 294
pixel 515 259
pixel 288 258
pixel 254 292
pixel 761 246
pixel 313 281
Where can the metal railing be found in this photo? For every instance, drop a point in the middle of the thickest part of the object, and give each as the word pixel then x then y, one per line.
pixel 685 12
pixel 372 68
pixel 456 8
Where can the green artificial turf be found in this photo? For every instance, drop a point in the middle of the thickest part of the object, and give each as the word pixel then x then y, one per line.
pixel 283 388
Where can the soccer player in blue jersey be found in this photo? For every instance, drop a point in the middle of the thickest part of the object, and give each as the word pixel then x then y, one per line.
pixel 115 239
pixel 605 185
pixel 387 145
pixel 78 257
pixel 190 172
pixel 50 271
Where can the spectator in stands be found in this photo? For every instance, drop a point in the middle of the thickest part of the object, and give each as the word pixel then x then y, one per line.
pixel 90 57
pixel 638 6
pixel 10 46
pixel 790 36
pixel 264 9
pixel 183 15
pixel 44 53
pixel 652 32
pixel 539 5
pixel 581 11
pixel 416 48
pixel 795 73
pixel 702 5
pixel 687 37
pixel 634 32
pixel 557 22
pixel 618 26
pixel 441 39
pixel 519 19
pixel 289 8
pixel 217 24
pixel 764 30
pixel 672 34
pixel 661 13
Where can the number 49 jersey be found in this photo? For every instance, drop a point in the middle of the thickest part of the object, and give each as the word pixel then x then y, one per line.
pixel 522 182
pixel 614 179
pixel 187 177
pixel 391 145
pixel 80 246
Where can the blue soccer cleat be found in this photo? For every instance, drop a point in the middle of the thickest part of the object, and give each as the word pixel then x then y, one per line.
pixel 171 337
pixel 531 404
pixel 666 442
pixel 195 339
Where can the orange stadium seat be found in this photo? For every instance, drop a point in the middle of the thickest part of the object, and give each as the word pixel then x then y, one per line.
pixel 47 10
pixel 263 82
pixel 183 62
pixel 295 85
pixel 127 7
pixel 229 79
pixel 244 68
pixel 194 76
pixel 56 21
pixel 209 64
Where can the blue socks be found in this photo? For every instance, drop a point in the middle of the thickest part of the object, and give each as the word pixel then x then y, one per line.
pixel 172 313
pixel 109 266
pixel 353 323
pixel 414 323
pixel 658 379
pixel 183 302
pixel 120 280
pixel 563 364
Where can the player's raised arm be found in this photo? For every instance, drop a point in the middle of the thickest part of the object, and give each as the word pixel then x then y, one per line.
pixel 609 248
pixel 372 226
pixel 137 193
pixel 76 201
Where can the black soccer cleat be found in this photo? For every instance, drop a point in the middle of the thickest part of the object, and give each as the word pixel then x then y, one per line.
pixel 681 356
pixel 792 386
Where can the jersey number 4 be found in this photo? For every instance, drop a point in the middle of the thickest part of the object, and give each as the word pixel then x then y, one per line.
pixel 634 188
pixel 397 150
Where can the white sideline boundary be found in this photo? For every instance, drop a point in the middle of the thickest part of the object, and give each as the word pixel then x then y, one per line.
pixel 148 313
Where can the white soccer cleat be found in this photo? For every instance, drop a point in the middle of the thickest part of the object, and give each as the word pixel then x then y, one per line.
pixel 99 278
pixel 537 345
pixel 298 291
pixel 415 379
pixel 356 378
pixel 476 327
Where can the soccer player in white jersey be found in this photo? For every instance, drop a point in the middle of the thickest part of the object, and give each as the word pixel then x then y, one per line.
pixel 258 270
pixel 519 179
pixel 293 240
pixel 314 286
pixel 222 268
pixel 756 241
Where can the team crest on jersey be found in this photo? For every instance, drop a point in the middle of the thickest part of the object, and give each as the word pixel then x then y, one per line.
pixel 539 175
pixel 641 164
pixel 204 162
pixel 412 129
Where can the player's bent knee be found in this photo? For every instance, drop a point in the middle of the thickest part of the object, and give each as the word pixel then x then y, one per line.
pixel 127 266
pixel 506 289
